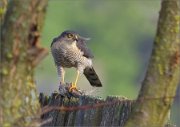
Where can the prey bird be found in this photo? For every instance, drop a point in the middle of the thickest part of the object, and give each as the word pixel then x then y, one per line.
pixel 70 50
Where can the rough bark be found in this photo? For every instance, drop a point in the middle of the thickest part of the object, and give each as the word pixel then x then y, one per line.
pixel 159 86
pixel 20 53
pixel 84 111
pixel 3 7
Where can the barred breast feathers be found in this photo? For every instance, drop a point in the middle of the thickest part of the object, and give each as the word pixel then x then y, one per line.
pixel 69 55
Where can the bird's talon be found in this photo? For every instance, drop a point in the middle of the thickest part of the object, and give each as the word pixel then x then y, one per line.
pixel 73 86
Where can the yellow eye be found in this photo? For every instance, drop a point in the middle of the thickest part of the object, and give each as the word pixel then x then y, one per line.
pixel 69 35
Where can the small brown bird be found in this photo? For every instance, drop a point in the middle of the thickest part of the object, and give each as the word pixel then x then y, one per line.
pixel 70 50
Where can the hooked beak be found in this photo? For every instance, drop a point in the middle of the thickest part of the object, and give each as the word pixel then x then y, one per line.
pixel 84 38
pixel 76 38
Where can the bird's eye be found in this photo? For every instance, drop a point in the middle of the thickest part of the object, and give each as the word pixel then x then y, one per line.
pixel 69 35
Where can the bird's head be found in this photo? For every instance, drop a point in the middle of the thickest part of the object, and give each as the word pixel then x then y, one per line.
pixel 71 36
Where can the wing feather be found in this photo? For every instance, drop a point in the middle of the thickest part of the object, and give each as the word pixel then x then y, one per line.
pixel 81 44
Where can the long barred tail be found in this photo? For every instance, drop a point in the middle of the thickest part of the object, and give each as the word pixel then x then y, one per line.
pixel 92 77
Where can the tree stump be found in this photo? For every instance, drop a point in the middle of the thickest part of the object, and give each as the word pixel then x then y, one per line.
pixel 85 110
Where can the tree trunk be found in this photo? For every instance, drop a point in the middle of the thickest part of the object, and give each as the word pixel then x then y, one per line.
pixel 159 86
pixel 3 7
pixel 20 53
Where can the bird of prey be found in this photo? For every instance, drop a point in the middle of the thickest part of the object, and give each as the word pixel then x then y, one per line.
pixel 70 50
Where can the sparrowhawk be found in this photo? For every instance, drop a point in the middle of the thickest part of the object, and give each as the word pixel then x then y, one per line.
pixel 70 50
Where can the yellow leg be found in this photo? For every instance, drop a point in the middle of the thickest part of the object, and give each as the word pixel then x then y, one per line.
pixel 74 85
pixel 77 77
pixel 62 77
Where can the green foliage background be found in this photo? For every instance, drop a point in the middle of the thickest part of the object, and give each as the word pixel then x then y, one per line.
pixel 116 28
pixel 121 35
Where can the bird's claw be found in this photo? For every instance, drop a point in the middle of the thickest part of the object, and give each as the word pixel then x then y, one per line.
pixel 73 87
pixel 69 90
